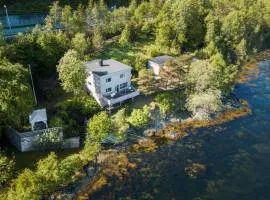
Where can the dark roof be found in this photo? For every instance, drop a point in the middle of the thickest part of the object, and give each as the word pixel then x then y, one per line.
pixel 161 60
pixel 108 66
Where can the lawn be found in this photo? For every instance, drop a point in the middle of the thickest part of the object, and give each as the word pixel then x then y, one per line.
pixel 127 53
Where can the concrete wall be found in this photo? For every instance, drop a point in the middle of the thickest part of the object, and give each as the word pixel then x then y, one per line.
pixel 27 141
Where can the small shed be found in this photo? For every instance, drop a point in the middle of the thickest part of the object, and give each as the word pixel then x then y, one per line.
pixel 157 62
pixel 38 119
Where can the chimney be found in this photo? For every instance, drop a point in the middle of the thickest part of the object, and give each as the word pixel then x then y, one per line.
pixel 101 62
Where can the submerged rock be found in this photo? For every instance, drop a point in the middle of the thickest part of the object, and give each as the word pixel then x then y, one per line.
pixel 195 170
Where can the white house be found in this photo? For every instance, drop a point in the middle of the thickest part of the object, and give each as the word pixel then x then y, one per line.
pixel 38 119
pixel 109 81
pixel 156 63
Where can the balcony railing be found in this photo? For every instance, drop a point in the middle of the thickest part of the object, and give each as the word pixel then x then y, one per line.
pixel 125 94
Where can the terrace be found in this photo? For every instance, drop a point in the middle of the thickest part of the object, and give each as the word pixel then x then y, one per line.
pixel 119 97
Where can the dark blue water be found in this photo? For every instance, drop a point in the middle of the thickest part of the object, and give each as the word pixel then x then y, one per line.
pixel 237 156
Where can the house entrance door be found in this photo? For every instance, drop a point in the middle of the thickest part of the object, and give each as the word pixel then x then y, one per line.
pixel 117 88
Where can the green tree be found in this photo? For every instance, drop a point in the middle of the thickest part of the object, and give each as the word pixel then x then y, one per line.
pixel 201 76
pixel 80 44
pixel 16 99
pixel 72 72
pixel 69 166
pixel 54 16
pixel 48 172
pixel 165 102
pixel 98 40
pixel 126 36
pixel 140 117
pixel 26 186
pixel 120 125
pixel 99 127
pixel 202 105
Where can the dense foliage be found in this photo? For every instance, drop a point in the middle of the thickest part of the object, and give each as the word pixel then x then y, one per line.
pixel 72 73
pixel 140 118
pixel 6 168
pixel 15 96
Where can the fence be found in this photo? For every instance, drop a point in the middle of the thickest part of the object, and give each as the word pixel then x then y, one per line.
pixel 20 23
pixel 51 138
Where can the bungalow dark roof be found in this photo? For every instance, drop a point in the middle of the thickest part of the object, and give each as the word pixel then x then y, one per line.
pixel 161 60
pixel 105 67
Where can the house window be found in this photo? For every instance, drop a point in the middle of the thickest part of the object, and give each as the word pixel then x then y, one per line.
pixel 108 80
pixel 123 85
pixel 109 89
pixel 122 75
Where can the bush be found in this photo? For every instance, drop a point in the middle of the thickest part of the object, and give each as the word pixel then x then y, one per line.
pixel 99 127
pixel 49 175
pixel 6 169
pixel 140 117
pixel 165 102
pixel 71 114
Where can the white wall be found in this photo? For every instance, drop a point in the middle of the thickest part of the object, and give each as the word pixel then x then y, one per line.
pixel 99 85
pixel 115 80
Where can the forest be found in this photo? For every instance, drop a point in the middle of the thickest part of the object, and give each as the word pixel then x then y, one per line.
pixel 220 35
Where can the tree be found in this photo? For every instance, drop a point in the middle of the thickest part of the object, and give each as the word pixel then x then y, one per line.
pixel 54 16
pixel 69 166
pixel 202 105
pixel 80 44
pixel 72 72
pixel 201 76
pixel 225 74
pixel 16 99
pixel 140 118
pixel 98 40
pixel 126 35
pixel 173 73
pixel 165 102
pixel 6 168
pixel 26 186
pixel 99 127
pixel 147 82
pixel 48 172
pixel 120 125
pixel 140 63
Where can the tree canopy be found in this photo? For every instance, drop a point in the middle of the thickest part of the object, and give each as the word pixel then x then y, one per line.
pixel 72 72
pixel 16 100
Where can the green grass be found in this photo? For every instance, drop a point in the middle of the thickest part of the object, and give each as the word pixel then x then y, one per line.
pixel 127 53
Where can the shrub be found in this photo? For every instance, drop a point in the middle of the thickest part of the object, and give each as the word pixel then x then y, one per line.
pixel 165 102
pixel 99 127
pixel 140 117
pixel 6 169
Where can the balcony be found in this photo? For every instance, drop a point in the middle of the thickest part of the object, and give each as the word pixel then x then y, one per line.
pixel 119 97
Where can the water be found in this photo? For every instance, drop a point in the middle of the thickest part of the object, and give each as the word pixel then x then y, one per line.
pixel 237 156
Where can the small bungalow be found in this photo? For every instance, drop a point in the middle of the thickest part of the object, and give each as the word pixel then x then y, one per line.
pixel 109 82
pixel 157 63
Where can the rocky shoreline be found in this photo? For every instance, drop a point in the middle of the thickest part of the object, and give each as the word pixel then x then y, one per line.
pixel 169 130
